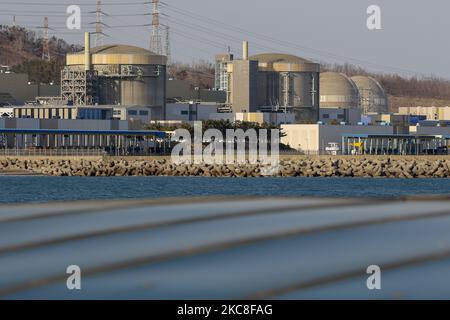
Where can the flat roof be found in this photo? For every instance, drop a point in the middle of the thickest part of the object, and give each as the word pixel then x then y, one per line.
pixel 405 136
pixel 160 134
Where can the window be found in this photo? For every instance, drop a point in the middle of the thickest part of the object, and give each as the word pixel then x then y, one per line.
pixel 184 112
pixel 132 112
pixel 143 113
pixel 326 116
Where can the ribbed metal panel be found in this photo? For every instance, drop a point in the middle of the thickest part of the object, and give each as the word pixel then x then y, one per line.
pixel 215 248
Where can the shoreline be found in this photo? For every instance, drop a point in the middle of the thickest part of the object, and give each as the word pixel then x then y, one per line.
pixel 320 166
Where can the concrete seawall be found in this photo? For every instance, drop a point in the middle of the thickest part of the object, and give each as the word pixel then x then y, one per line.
pixel 387 167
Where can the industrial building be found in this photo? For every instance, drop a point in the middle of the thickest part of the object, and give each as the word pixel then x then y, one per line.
pixel 75 137
pixel 182 91
pixel 274 118
pixel 64 112
pixel 373 98
pixel 115 75
pixel 191 111
pixel 314 139
pixel 274 81
pixel 242 88
pixel 221 71
pixel 330 115
pixel 430 113
pixel 16 89
pixel 338 91
pixel 290 82
pixel 397 144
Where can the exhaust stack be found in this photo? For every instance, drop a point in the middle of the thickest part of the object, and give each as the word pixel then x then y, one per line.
pixel 245 50
pixel 87 51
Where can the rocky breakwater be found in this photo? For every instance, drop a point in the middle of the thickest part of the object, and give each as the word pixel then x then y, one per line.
pixel 302 167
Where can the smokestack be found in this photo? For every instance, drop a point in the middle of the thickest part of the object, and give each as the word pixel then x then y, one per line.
pixel 87 51
pixel 245 50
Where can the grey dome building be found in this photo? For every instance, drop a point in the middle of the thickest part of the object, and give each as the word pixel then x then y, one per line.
pixel 338 91
pixel 288 81
pixel 373 98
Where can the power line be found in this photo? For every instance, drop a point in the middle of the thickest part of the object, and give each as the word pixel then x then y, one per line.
pixel 281 42
pixel 68 4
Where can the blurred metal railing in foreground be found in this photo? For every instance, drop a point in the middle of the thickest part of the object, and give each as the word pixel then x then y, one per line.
pixel 218 248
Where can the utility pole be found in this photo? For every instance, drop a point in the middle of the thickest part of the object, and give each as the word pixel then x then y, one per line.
pixel 155 39
pixel 45 45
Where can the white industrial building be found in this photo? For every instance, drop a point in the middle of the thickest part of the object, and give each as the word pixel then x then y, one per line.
pixel 315 138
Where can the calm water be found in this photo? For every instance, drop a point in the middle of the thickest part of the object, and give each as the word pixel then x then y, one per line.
pixel 40 189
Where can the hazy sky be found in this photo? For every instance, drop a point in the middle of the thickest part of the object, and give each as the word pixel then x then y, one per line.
pixel 413 36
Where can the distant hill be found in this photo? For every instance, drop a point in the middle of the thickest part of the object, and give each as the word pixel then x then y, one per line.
pixel 22 49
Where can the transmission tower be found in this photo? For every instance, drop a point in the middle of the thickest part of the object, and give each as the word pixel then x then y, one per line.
pixel 45 45
pixel 98 41
pixel 167 44
pixel 155 40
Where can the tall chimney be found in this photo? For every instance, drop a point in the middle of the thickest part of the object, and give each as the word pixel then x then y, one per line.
pixel 87 51
pixel 245 50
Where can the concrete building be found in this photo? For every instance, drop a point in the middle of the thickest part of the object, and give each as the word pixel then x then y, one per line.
pixel 16 89
pixel 63 112
pixel 74 124
pixel 221 71
pixel 191 111
pixel 392 119
pixel 75 137
pixel 182 91
pixel 331 115
pixel 256 117
pixel 373 98
pixel 274 81
pixel 314 139
pixel 242 83
pixel 291 82
pixel 431 113
pixel 338 91
pixel 133 113
pixel 116 75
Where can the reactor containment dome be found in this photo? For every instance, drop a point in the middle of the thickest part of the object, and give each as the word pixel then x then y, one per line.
pixel 337 91
pixel 290 82
pixel 373 98
pixel 117 75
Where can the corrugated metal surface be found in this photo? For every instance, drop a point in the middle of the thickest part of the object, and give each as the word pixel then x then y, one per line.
pixel 271 248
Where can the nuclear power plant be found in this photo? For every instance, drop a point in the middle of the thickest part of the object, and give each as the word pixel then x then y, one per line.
pixel 373 98
pixel 338 91
pixel 277 82
pixel 274 81
pixel 115 75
